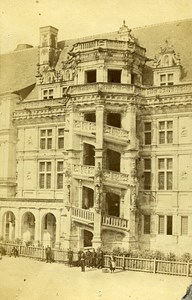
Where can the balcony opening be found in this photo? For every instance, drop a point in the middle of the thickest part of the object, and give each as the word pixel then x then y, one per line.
pixel 113 160
pixel 88 236
pixel 133 78
pixel 49 230
pixel 113 204
pixel 88 155
pixel 90 117
pixel 90 76
pixel 88 198
pixel 114 119
pixel 114 76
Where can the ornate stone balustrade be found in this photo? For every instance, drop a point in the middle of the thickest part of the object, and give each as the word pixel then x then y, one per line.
pixel 83 214
pixel 169 90
pixel 103 87
pixel 108 44
pixel 116 133
pixel 114 222
pixel 84 126
pixel 117 177
pixel 84 170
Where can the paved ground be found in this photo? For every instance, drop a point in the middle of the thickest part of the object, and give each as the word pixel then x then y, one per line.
pixel 27 279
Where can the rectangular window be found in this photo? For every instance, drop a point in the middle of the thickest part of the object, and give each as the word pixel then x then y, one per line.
pixel 147 133
pixel 60 175
pixel 90 76
pixel 46 139
pixel 165 173
pixel 48 94
pixel 165 132
pixel 147 224
pixel 147 174
pixel 114 76
pixel 166 225
pixel 60 138
pixel 184 225
pixel 169 225
pixel 166 79
pixel 45 175
pixel 161 224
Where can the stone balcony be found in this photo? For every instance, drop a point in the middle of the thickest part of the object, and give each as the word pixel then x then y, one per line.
pixel 108 44
pixel 110 178
pixel 111 133
pixel 104 87
pixel 87 217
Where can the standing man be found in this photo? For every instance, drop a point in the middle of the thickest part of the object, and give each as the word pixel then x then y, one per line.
pixel 48 254
pixel 82 262
pixel 94 259
pixel 70 257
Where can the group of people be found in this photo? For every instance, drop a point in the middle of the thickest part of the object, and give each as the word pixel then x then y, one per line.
pixel 90 259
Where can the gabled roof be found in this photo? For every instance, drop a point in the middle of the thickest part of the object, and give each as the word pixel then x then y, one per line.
pixel 18 68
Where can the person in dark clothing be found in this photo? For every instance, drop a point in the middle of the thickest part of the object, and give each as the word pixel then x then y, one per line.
pixel 14 252
pixel 79 257
pixel 88 258
pixel 100 259
pixel 94 259
pixel 48 254
pixel 82 262
pixel 70 257
pixel 112 263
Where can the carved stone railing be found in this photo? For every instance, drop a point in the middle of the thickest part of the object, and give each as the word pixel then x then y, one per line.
pixel 116 133
pixel 84 170
pixel 108 44
pixel 114 222
pixel 82 214
pixel 117 177
pixel 169 90
pixel 84 126
pixel 104 87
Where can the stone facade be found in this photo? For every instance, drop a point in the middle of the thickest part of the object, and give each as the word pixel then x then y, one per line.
pixel 91 156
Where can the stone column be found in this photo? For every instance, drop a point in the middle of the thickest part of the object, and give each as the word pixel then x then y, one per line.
pixel 17 225
pixel 58 230
pixel 37 229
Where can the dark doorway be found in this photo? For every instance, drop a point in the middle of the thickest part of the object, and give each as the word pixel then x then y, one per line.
pixel 90 76
pixel 114 119
pixel 113 204
pixel 90 117
pixel 114 76
pixel 89 155
pixel 88 236
pixel 88 198
pixel 113 160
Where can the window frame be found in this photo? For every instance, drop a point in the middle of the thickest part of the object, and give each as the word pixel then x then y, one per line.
pixel 164 221
pixel 59 174
pixel 166 81
pixel 45 175
pixel 60 137
pixel 146 224
pixel 46 140
pixel 164 132
pixel 48 93
pixel 147 133
pixel 164 174
pixel 146 173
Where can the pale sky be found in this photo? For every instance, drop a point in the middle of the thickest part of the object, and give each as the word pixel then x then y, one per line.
pixel 20 19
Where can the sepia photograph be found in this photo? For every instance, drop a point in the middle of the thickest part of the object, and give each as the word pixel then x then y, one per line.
pixel 96 150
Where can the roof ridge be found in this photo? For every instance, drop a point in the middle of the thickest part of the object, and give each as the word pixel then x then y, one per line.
pixel 163 23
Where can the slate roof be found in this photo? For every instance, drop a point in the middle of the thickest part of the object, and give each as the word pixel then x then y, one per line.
pixel 18 68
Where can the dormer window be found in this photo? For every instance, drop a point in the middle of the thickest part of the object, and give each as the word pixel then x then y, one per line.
pixel 166 79
pixel 48 94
